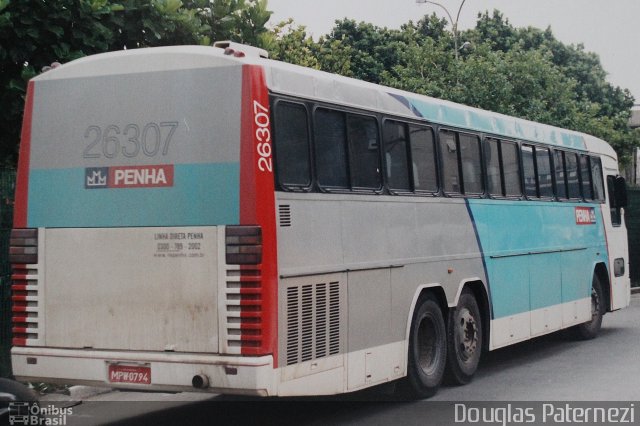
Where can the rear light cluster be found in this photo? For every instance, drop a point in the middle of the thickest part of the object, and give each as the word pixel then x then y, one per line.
pixel 23 246
pixel 245 288
pixel 23 251
pixel 243 245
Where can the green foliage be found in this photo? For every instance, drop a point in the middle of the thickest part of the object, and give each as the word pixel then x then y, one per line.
pixel 524 72
pixel 35 33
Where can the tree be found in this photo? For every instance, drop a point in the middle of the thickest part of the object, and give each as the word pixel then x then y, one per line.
pixel 524 72
pixel 36 33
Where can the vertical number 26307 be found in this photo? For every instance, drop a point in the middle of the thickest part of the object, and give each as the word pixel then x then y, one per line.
pixel 263 137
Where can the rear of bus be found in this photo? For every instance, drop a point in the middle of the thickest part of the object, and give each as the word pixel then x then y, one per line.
pixel 143 248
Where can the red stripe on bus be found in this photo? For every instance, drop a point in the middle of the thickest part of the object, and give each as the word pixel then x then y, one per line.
pixel 16 341
pixel 22 178
pixel 257 202
pixel 19 319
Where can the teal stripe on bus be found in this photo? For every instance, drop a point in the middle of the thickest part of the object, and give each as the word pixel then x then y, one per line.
pixel 535 254
pixel 202 194
pixel 460 116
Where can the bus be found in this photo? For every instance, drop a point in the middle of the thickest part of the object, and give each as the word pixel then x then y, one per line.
pixel 205 218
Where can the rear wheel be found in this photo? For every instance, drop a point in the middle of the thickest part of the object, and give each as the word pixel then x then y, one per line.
pixel 464 339
pixel 427 349
pixel 590 329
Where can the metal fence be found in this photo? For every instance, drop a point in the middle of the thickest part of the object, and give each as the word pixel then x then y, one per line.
pixel 632 219
pixel 7 187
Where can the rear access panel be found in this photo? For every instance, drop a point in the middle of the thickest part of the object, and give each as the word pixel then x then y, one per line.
pixel 152 289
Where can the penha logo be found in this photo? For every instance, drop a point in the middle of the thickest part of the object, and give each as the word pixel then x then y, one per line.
pixel 129 177
pixel 585 215
pixel 96 177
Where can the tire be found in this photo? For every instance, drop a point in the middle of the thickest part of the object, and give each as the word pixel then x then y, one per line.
pixel 427 350
pixel 464 340
pixel 590 329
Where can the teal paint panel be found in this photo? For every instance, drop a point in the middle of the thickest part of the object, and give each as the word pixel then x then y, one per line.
pixel 202 194
pixel 545 280
pixel 509 282
pixel 450 114
pixel 537 249
pixel 576 276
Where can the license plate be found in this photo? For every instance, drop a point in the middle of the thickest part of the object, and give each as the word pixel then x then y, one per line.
pixel 136 374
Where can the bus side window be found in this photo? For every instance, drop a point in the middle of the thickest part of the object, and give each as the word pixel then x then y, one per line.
pixel 543 163
pixel 616 216
pixel 291 139
pixel 423 157
pixel 492 160
pixel 395 154
pixel 450 170
pixel 561 176
pixel 596 177
pixel 364 152
pixel 529 171
pixel 573 183
pixel 471 164
pixel 330 148
pixel 585 175
pixel 511 169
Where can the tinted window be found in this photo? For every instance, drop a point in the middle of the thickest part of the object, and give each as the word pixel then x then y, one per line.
pixel 395 146
pixel 543 163
pixel 492 156
pixel 364 152
pixel 585 175
pixel 561 180
pixel 511 169
pixel 292 144
pixel 571 167
pixel 616 215
pixel 449 152
pixel 330 148
pixel 529 171
pixel 596 176
pixel 471 164
pixel 423 158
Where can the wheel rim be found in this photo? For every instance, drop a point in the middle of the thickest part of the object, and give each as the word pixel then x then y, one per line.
pixel 595 304
pixel 428 337
pixel 466 334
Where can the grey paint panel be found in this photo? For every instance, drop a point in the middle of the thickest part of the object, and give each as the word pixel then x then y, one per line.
pixel 389 245
pixel 89 121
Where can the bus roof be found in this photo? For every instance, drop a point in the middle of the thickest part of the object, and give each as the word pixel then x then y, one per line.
pixel 294 80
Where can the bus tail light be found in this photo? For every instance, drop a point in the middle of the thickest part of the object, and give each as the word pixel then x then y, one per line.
pixel 243 245
pixel 23 255
pixel 23 246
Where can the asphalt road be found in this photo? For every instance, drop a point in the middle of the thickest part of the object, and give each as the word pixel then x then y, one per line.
pixel 550 368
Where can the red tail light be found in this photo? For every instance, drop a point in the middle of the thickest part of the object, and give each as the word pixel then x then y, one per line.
pixel 243 245
pixel 23 246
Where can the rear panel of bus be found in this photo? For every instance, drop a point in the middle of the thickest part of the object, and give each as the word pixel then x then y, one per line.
pixel 130 266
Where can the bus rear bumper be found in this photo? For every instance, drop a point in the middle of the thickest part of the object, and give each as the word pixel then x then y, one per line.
pixel 172 372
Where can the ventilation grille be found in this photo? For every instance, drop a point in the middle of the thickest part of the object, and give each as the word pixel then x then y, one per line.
pixel 313 321
pixel 25 307
pixel 284 211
